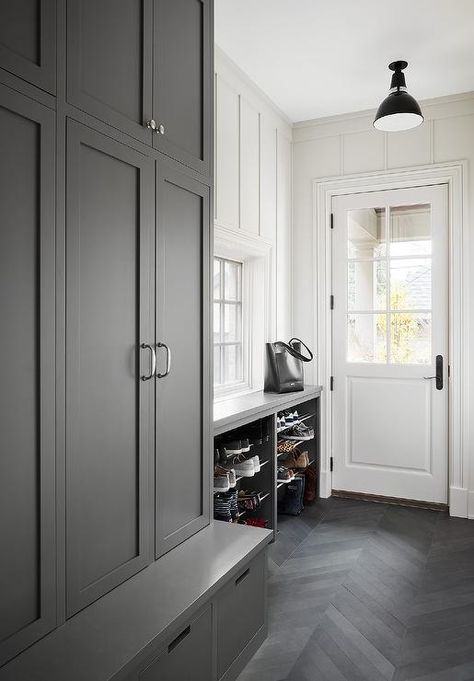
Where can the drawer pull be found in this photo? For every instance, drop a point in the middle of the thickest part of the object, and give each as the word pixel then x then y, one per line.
pixel 242 577
pixel 176 641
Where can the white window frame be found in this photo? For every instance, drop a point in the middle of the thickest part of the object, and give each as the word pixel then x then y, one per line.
pixel 240 385
pixel 255 253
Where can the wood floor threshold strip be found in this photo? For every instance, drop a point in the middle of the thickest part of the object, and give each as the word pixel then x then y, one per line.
pixel 393 501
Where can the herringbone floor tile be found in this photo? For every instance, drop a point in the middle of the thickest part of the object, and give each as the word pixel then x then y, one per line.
pixel 369 592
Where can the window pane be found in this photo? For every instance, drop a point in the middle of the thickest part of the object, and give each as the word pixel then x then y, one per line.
pixel 366 335
pixel 410 284
pixel 217 323
pixel 217 365
pixel 367 285
pixel 410 338
pixel 217 278
pixel 366 233
pixel 410 230
pixel 233 363
pixel 232 272
pixel 232 323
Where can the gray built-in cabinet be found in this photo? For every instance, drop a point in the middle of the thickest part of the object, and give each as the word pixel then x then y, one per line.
pixel 105 232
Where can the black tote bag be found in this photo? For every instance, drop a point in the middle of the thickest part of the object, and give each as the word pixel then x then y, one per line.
pixel 284 366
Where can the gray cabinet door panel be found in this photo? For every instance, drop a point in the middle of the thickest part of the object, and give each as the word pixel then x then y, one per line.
pixel 27 455
pixel 109 62
pixel 188 656
pixel 109 434
pixel 183 396
pixel 240 612
pixel 28 41
pixel 182 80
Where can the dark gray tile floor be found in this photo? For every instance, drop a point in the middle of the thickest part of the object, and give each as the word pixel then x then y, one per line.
pixel 369 592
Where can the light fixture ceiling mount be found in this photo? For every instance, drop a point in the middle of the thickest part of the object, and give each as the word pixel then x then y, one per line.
pixel 398 111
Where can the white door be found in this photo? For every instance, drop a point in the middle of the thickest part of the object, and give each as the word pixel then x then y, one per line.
pixel 390 322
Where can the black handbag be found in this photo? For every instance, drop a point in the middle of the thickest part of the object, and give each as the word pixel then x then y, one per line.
pixel 284 366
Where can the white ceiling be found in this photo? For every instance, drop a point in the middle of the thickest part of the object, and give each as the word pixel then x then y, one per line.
pixel 322 57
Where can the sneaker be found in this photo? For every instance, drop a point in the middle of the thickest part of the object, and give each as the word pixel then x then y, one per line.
pixel 245 445
pixel 256 463
pixel 289 419
pixel 284 474
pixel 221 482
pixel 244 468
pixel 230 472
pixel 230 449
pixel 299 432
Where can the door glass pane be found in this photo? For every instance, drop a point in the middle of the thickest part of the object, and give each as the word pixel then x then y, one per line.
pixel 367 285
pixel 366 338
pixel 231 323
pixel 410 338
pixel 217 323
pixel 410 284
pixel 232 363
pixel 410 228
pixel 366 233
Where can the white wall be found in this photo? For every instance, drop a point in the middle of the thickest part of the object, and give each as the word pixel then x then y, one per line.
pixel 349 144
pixel 253 173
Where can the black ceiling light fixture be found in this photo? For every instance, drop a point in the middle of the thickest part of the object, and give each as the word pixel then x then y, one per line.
pixel 398 111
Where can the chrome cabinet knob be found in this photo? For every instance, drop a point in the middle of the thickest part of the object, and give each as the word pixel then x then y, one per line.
pixel 161 129
pixel 151 125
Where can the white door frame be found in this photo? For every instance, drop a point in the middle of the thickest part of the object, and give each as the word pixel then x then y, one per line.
pixel 455 176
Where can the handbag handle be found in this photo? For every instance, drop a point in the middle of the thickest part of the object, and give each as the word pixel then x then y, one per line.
pixel 292 351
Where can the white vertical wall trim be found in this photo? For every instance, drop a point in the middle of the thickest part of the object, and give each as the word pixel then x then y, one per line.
pixel 239 142
pixel 432 142
pixel 341 152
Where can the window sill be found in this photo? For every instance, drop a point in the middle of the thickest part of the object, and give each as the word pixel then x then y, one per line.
pixel 231 394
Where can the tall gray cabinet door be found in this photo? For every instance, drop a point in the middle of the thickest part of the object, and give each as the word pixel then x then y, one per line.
pixel 109 62
pixel 183 395
pixel 28 41
pixel 27 455
pixel 109 409
pixel 182 81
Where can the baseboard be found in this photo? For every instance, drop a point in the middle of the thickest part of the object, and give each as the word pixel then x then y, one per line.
pixel 393 501
pixel 458 502
pixel 247 653
pixel 325 484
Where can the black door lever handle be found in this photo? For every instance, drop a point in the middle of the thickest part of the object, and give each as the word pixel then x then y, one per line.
pixel 439 373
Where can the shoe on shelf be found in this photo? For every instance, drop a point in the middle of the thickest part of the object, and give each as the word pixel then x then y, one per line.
pixel 245 445
pixel 230 449
pixel 256 463
pixel 255 433
pixel 284 474
pixel 289 418
pixel 221 482
pixel 227 468
pixel 244 468
pixel 299 432
pixel 285 446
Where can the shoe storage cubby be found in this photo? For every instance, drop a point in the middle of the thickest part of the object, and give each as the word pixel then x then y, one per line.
pixel 283 433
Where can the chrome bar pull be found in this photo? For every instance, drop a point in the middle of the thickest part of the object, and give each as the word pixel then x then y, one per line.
pixel 153 361
pixel 168 360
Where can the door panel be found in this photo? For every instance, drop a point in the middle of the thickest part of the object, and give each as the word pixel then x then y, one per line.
pixel 390 255
pixel 28 41
pixel 182 81
pixel 27 488
pixel 109 62
pixel 109 432
pixel 183 396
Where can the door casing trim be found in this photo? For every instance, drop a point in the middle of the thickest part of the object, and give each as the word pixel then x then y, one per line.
pixel 454 175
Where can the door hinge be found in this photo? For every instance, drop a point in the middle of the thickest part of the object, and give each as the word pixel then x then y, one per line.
pixel 331 302
pixel 331 383
pixel 332 220
pixel 331 464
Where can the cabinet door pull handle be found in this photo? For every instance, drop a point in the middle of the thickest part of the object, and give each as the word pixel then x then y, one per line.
pixel 151 125
pixel 153 361
pixel 241 577
pixel 176 641
pixel 160 129
pixel 168 359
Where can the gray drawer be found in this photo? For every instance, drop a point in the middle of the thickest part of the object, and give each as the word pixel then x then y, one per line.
pixel 187 656
pixel 240 612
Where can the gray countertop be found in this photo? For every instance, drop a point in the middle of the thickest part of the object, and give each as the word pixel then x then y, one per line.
pixel 124 625
pixel 238 411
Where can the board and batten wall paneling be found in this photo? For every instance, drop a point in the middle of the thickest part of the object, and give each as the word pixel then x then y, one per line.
pixel 284 325
pixel 249 167
pixel 227 180
pixel 268 184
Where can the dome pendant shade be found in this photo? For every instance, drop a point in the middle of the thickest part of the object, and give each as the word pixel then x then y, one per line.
pixel 398 111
